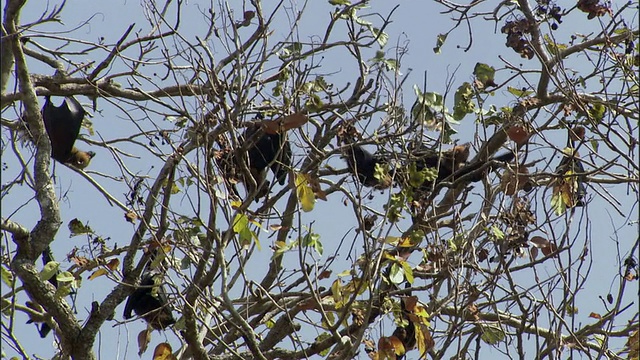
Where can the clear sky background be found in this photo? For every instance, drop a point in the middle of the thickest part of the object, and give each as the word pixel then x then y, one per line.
pixel 416 23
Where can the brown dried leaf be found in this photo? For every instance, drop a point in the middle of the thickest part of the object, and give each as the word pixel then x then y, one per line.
pixel 539 241
pixel 595 315
pixel 144 338
pixel 81 261
pixel 324 275
pixel 113 264
pixel 548 250
pixel 518 134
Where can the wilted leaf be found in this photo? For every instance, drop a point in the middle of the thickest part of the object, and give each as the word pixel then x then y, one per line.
pixel 410 303
pixel 576 133
pixel 548 250
pixel 283 124
pixel 633 344
pixel 162 352
pixel 98 273
pixel 80 260
pixel 314 183
pixel 595 315
pixel 441 38
pixel 76 227
pixel 144 337
pixel 483 254
pixel 518 134
pixel 539 241
pixel 325 274
pixel 113 264
pixel 390 347
pixel 424 341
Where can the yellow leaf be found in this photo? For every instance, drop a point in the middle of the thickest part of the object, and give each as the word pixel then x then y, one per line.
pixel 235 204
pixel 162 352
pixel 306 197
pixel 98 273
pixel 424 341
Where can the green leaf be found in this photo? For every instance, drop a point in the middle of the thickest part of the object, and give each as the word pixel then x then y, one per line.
pixel 241 227
pixel 380 172
pixel 7 276
pixel 65 277
pixel 519 93
pixel 76 227
pixel 596 112
pixel 408 272
pixel 269 324
pixel 485 75
pixel 557 203
pixel 439 42
pixel 313 240
pixel 50 269
pixel 321 338
pixel 426 105
pixel 463 100
pixel 339 2
pixel 381 37
pixel 497 233
pixel 396 275
pixel 552 46
pixel 452 245
pixel 492 334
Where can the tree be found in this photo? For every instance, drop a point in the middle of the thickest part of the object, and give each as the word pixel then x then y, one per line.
pixel 455 256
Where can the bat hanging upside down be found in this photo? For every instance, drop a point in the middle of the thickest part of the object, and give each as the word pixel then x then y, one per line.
pixel 150 302
pixel 63 126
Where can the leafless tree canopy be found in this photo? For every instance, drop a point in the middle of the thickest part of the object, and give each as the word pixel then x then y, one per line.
pixel 494 215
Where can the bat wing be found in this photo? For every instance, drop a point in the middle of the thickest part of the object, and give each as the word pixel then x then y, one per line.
pixel 63 126
pixel 283 152
pixel 261 152
pixel 361 163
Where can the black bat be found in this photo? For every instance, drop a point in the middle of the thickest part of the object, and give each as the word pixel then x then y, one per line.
pixel 268 150
pixel 149 301
pixel 63 126
pixel 453 164
pixel 363 164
